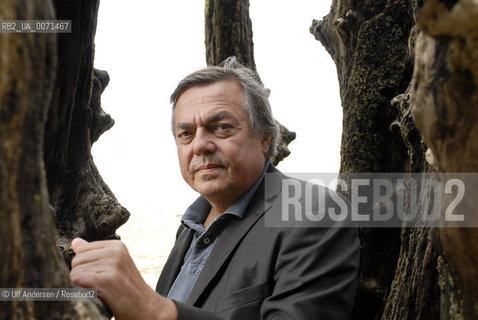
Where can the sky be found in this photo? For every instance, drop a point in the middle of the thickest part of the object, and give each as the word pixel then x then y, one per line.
pixel 148 47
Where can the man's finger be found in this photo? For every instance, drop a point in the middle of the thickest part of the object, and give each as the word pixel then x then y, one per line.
pixel 77 243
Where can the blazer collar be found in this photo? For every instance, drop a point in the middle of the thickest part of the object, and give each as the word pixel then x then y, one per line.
pixel 236 230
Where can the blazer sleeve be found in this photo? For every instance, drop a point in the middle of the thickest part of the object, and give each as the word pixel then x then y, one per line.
pixel 311 279
pixel 315 275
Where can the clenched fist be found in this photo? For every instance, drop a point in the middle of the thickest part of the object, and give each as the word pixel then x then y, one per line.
pixel 108 267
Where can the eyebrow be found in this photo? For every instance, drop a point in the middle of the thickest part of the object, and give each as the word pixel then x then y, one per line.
pixel 221 115
pixel 183 126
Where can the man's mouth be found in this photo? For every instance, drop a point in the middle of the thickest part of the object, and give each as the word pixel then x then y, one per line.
pixel 208 168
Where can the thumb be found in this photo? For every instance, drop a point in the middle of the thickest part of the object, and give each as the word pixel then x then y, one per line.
pixel 77 243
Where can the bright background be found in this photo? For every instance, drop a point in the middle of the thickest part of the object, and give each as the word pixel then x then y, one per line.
pixel 147 48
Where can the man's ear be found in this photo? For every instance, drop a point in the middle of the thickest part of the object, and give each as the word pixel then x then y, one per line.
pixel 266 143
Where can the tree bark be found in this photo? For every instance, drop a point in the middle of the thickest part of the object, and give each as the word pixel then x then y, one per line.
pixel 229 33
pixel 375 46
pixel 85 207
pixel 367 42
pixel 31 259
pixel 444 106
pixel 50 114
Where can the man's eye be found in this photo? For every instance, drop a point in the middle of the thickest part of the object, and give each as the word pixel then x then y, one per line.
pixel 223 126
pixel 184 134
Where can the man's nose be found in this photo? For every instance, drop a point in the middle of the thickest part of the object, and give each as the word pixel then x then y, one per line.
pixel 203 142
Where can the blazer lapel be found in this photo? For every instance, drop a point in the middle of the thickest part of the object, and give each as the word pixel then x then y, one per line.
pixel 235 231
pixel 174 262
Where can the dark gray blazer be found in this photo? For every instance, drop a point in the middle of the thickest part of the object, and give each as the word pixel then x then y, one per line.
pixel 260 272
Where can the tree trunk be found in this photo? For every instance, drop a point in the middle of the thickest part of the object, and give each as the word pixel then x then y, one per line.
pixel 374 45
pixel 229 33
pixel 50 114
pixel 368 44
pixel 85 206
pixel 444 103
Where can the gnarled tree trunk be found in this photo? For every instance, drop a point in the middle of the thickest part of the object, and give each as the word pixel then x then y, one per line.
pixel 368 42
pixel 50 114
pixel 426 273
pixel 444 103
pixel 84 205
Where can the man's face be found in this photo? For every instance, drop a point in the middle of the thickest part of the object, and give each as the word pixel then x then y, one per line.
pixel 218 154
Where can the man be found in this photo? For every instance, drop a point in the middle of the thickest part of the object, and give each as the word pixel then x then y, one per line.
pixel 229 261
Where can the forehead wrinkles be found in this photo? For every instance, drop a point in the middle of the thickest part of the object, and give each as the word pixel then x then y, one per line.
pixel 191 99
pixel 225 90
pixel 199 104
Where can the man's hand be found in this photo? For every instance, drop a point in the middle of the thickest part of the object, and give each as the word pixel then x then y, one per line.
pixel 107 266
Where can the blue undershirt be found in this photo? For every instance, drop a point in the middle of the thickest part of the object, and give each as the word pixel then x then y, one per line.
pixel 204 240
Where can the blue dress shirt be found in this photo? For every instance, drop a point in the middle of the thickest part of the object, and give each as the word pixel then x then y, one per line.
pixel 203 240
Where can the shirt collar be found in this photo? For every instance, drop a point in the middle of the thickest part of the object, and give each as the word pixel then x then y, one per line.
pixel 197 212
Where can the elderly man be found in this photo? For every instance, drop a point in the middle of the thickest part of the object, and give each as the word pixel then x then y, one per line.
pixel 228 261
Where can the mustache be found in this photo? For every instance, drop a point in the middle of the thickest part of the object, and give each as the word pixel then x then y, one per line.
pixel 213 161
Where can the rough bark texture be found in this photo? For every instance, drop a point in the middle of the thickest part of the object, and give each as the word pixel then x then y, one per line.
pixel 426 273
pixel 368 44
pixel 229 33
pixel 84 205
pixel 27 63
pixel 444 105
pixel 50 114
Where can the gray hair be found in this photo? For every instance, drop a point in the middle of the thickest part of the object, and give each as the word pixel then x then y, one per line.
pixel 255 102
